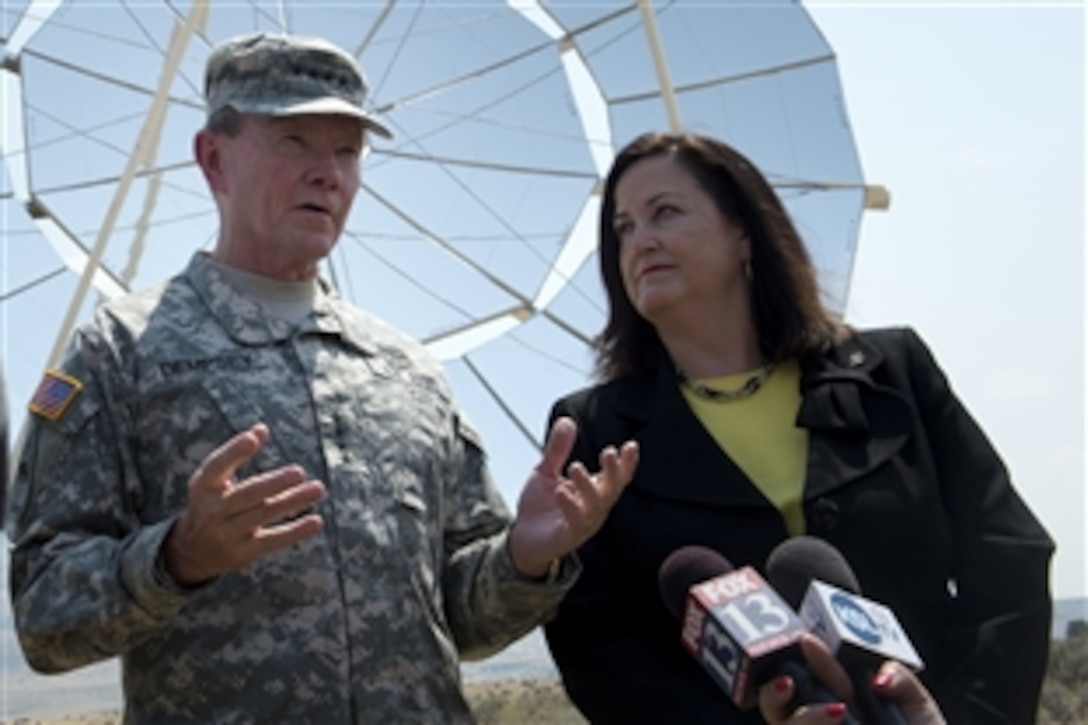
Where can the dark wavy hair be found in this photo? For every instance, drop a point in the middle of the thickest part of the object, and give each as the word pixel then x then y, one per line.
pixel 790 317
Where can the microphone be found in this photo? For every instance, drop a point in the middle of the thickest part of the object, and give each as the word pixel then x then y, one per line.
pixel 736 626
pixel 816 579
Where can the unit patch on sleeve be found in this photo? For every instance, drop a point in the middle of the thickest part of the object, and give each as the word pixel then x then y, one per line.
pixel 54 395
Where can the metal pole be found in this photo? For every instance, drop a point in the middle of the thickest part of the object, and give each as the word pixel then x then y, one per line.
pixel 668 95
pixel 152 126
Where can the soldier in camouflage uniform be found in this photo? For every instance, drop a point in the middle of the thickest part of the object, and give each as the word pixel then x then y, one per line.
pixel 264 500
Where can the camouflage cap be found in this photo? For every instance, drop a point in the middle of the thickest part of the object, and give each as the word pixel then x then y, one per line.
pixel 283 75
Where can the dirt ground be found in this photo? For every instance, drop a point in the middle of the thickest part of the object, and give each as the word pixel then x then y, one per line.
pixel 504 702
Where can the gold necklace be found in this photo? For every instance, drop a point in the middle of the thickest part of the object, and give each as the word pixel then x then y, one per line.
pixel 750 386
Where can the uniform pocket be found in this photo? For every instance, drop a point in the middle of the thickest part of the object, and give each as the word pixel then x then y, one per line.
pixel 180 425
pixel 419 529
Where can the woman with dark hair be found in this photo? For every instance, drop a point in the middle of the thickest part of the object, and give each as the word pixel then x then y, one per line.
pixel 760 416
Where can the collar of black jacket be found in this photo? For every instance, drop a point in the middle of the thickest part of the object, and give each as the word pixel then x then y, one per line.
pixel 855 420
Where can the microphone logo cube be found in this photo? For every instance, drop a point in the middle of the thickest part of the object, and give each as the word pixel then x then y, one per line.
pixel 854 618
pixel 735 623
pixel 856 628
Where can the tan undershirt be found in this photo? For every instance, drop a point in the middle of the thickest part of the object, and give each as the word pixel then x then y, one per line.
pixel 289 301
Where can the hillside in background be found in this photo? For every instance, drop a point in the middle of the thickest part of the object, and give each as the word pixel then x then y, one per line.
pixel 1066 611
pixel 94 689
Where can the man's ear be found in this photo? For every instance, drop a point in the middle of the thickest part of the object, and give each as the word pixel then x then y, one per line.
pixel 207 148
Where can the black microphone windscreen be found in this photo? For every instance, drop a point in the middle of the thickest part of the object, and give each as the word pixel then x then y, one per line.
pixel 683 569
pixel 795 562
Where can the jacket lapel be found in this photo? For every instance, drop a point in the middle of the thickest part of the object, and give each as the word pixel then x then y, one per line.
pixel 679 459
pixel 855 424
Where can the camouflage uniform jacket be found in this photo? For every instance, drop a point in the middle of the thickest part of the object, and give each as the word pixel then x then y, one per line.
pixel 362 623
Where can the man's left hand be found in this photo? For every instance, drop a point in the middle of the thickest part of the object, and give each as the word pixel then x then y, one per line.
pixel 556 514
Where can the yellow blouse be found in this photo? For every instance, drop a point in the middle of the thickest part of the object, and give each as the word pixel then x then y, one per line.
pixel 760 435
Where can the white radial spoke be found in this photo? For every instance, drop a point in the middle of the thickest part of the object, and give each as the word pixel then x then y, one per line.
pixel 579 246
pixel 32 20
pixel 454 344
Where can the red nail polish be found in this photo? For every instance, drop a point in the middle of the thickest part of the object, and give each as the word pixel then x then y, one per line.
pixel 882 680
pixel 782 683
pixel 835 709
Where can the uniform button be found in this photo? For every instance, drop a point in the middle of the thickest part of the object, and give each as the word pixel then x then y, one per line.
pixel 825 514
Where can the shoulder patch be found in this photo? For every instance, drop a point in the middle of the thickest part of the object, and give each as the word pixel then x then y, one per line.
pixel 54 395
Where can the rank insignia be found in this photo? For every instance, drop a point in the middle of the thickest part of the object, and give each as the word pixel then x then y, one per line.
pixel 54 395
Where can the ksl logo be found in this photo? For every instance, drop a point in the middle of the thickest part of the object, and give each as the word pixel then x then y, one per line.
pixel 856 619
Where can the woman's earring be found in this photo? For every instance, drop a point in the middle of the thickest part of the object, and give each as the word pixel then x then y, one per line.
pixel 748 270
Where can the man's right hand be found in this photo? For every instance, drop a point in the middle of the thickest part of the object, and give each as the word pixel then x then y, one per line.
pixel 227 524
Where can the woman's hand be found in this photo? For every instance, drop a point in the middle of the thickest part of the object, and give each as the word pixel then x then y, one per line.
pixel 893 682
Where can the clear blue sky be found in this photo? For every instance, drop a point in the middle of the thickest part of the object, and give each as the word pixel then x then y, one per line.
pixel 973 115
